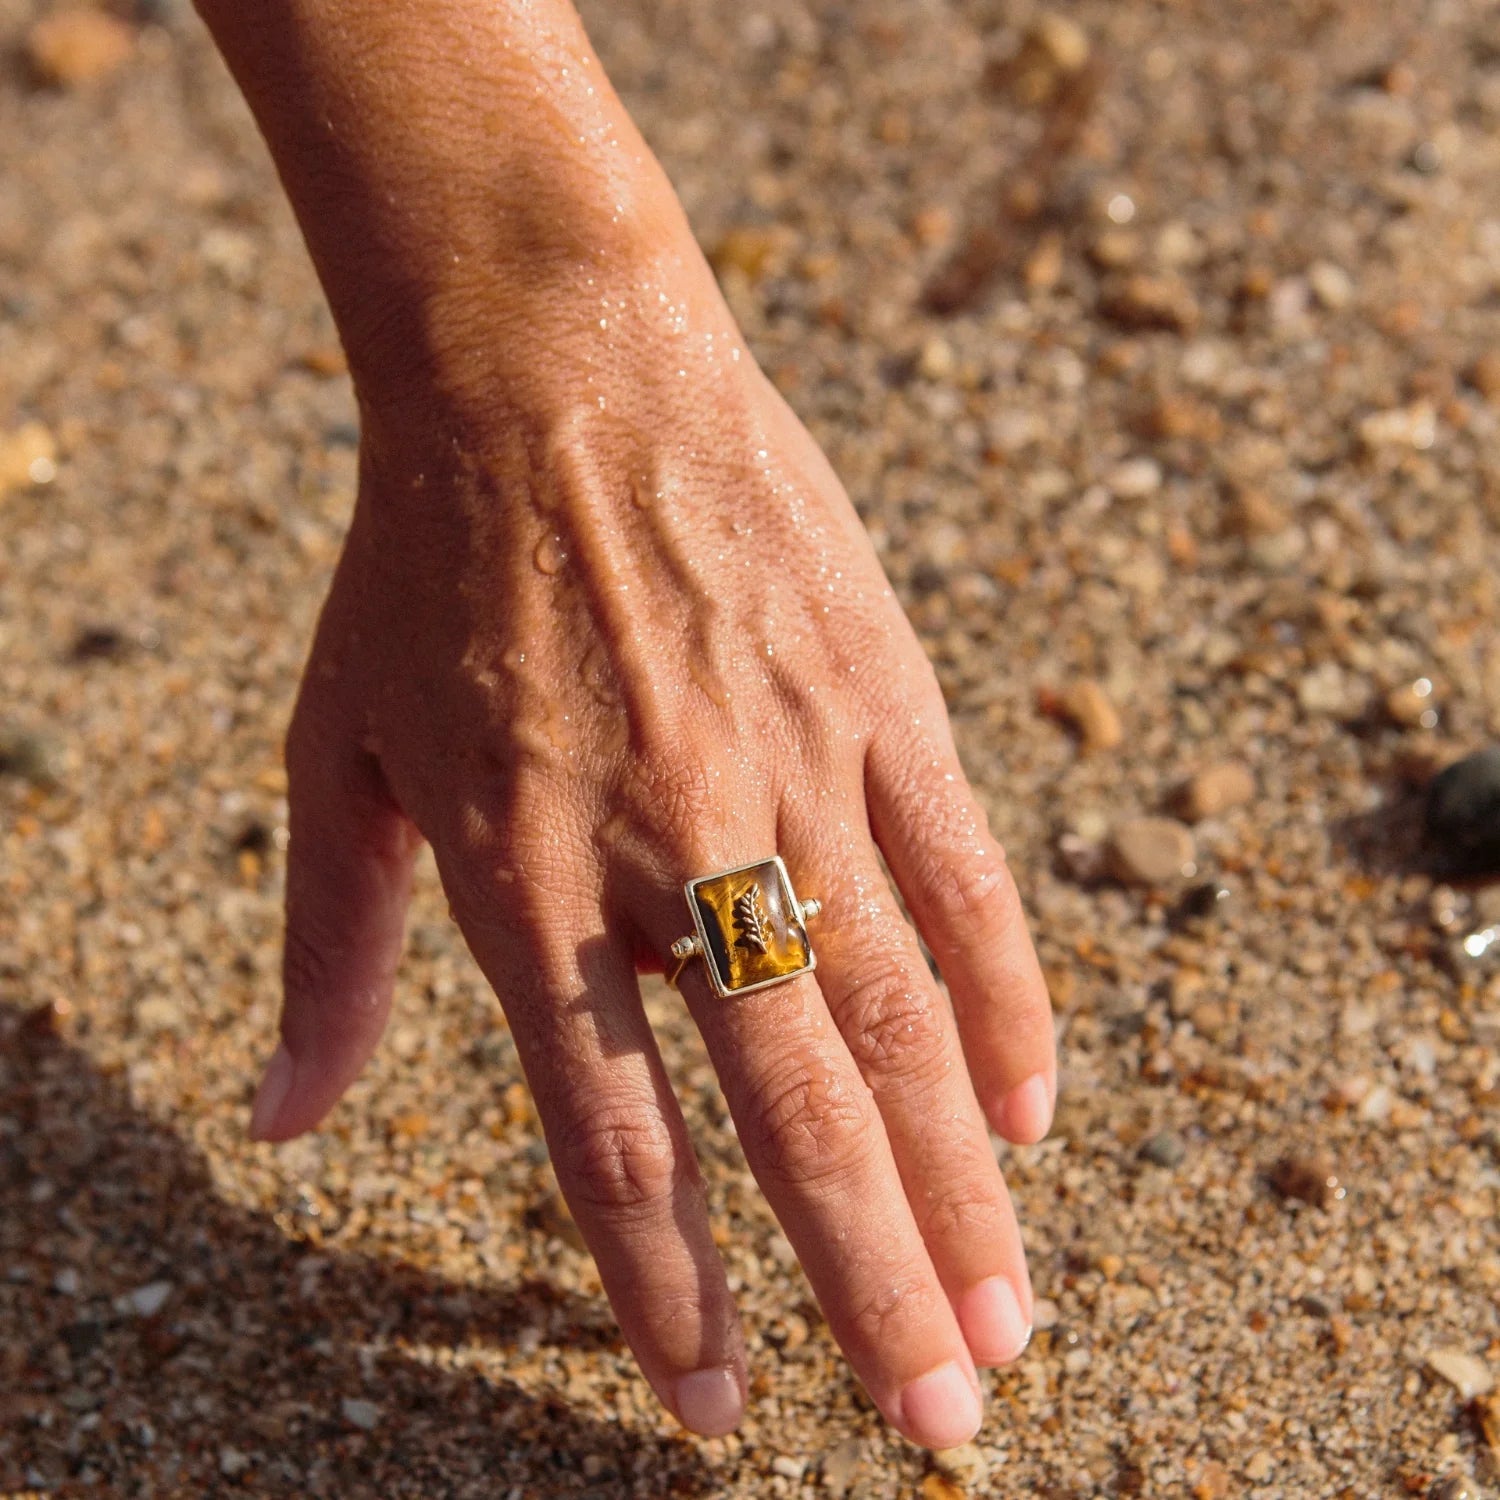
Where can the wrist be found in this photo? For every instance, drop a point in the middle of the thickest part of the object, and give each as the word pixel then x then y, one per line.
pixel 469 185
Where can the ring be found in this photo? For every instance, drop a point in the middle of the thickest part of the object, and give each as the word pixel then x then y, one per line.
pixel 750 928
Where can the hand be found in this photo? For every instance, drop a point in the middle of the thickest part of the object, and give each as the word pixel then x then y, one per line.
pixel 605 621
pixel 631 634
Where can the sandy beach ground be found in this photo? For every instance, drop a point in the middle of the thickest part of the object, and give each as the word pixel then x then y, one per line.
pixel 1157 344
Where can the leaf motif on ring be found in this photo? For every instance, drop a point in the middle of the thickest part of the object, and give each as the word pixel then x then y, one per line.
pixel 751 920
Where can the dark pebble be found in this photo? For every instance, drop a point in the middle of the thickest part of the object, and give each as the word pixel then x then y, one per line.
pixel 1164 1150
pixel 1307 1179
pixel 99 643
pixel 82 1338
pixel 1463 814
pixel 1210 898
pixel 32 757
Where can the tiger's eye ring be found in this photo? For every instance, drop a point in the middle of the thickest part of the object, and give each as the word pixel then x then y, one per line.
pixel 749 928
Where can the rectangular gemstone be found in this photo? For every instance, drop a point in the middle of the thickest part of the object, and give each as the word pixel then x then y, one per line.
pixel 752 934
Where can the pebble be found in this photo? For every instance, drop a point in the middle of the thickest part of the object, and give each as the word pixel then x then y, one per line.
pixel 1454 1487
pixel 1466 1373
pixel 1209 898
pixel 1463 813
pixel 788 1468
pixel 145 1301
pixel 1134 479
pixel 1063 41
pixel 1260 1468
pixel 1045 1314
pixel 36 758
pixel 1164 1149
pixel 1331 285
pixel 1087 707
pixel 232 1463
pixel 1413 426
pixel 1151 851
pixel 1215 789
pixel 28 456
pixel 1484 375
pixel 360 1413
pixel 937 1486
pixel 839 1464
pixel 1307 1179
pixel 1413 705
pixel 966 1465
pixel 78 46
pixel 1144 302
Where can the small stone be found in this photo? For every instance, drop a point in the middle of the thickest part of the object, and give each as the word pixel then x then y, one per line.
pixel 1307 1179
pixel 936 361
pixel 1164 1149
pixel 1087 707
pixel 1209 898
pixel 839 1465
pixel 66 1282
pixel 1151 852
pixel 1413 704
pixel 1252 514
pixel 80 1339
pixel 360 1413
pixel 145 1301
pixel 1044 1314
pixel 937 1486
pixel 1463 813
pixel 1484 375
pixel 1454 1487
pixel 28 456
pixel 1061 40
pixel 1413 426
pixel 1260 1468
pixel 1213 1482
pixel 1134 479
pixel 232 1463
pixel 78 46
pixel 788 1468
pixel 1331 285
pixel 1466 1373
pixel 753 250
pixel 966 1466
pixel 1148 303
pixel 1215 789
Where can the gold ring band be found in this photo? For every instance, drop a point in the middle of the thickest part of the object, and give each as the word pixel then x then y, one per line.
pixel 749 928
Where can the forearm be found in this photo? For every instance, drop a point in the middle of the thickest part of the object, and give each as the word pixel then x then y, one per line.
pixel 455 165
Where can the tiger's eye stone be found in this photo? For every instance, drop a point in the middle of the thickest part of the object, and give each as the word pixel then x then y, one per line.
pixel 751 928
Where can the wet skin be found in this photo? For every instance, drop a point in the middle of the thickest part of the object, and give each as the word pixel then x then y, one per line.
pixel 605 620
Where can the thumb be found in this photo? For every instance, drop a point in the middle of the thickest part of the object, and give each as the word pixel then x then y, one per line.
pixel 348 883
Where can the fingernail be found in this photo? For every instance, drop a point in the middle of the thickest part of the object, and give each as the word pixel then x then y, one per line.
pixel 273 1090
pixel 941 1408
pixel 708 1402
pixel 993 1323
pixel 1024 1115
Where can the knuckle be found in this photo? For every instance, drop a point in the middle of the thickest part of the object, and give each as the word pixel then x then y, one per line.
pixel 961 1211
pixel 973 888
pixel 814 1128
pixel 892 1021
pixel 672 797
pixel 620 1159
pixel 880 1317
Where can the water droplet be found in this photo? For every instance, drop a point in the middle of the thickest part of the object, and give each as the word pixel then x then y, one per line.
pixel 549 556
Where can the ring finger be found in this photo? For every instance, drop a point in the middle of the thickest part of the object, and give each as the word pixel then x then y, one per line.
pixel 900 1030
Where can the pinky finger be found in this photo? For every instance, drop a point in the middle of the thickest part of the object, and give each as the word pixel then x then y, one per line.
pixel 954 877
